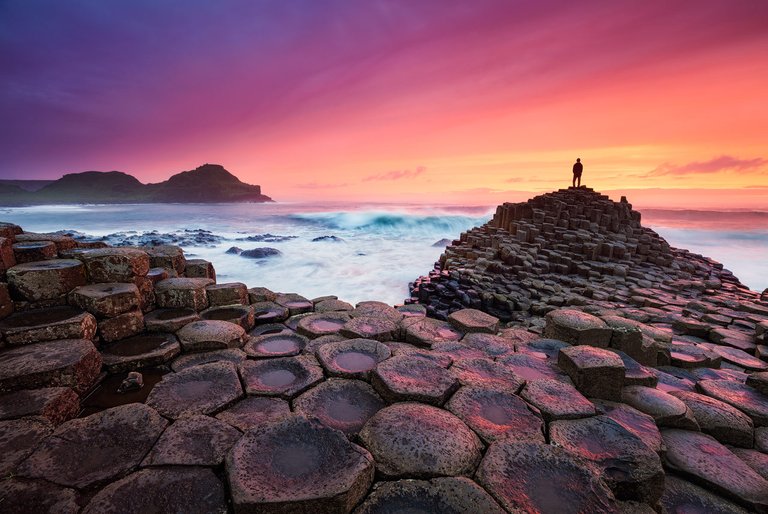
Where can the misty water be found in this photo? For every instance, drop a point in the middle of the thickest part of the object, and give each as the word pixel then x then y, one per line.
pixel 377 250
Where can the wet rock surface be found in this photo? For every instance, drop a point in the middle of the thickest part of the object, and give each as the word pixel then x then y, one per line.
pixel 524 334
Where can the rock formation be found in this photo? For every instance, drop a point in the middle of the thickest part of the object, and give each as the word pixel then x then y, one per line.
pixel 561 358
pixel 207 183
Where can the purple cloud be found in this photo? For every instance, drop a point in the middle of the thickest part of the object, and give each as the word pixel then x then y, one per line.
pixel 718 164
pixel 396 174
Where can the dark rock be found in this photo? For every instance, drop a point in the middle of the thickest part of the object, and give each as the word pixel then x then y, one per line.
pixel 725 423
pixel 486 373
pixel 211 335
pixel 106 299
pixel 53 404
pixel 260 253
pixel 681 496
pixel 664 408
pixel 133 382
pixel 328 239
pixel 411 378
pixel 557 400
pixel 36 496
pixel 233 355
pixel 48 325
pixel 322 324
pixel 18 439
pixel 193 441
pixel 577 327
pixel 45 280
pixel 595 372
pixel 169 320
pixel 255 411
pixel 121 326
pixel 115 264
pixel 473 320
pixel 746 399
pixel 371 327
pixel 285 377
pixel 234 250
pixel 182 293
pixel 275 345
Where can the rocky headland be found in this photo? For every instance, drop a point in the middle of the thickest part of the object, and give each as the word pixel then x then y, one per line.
pixel 209 183
pixel 561 358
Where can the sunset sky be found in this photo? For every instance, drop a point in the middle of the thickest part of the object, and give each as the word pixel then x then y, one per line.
pixel 475 101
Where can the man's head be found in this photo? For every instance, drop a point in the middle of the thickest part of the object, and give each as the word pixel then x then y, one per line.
pixel 578 160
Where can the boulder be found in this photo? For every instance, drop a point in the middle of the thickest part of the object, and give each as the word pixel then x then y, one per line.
pixel 166 256
pixel 297 465
pixel 268 312
pixel 371 327
pixel 682 496
pixel 210 335
pixel 420 441
pixel 233 355
pixel 428 331
pixel 295 303
pixel 35 496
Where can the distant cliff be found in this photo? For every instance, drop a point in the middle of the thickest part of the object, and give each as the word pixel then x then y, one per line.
pixel 209 183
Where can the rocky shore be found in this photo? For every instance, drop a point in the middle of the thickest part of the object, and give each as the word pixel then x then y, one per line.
pixel 561 358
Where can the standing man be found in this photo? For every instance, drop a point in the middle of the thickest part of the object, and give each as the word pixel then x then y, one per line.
pixel 577 169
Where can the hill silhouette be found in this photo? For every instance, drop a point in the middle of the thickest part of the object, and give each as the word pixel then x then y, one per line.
pixel 209 183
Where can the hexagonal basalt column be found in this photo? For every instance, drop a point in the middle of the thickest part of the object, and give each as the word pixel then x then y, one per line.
pixel 53 404
pixel 31 251
pixel 255 411
pixel 420 441
pixel 428 331
pixel 577 327
pixel 295 303
pixel 371 327
pixel 297 465
pixel 275 345
pixel 203 389
pixel 166 256
pixel 268 312
pixel 210 335
pixel 115 264
pixel 169 320
pixel 284 377
pixel 45 280
pixel 557 400
pixel 353 358
pixel 193 441
pixel 41 325
pixel 227 294
pixel 404 378
pixel 71 363
pixel 595 372
pixel 121 326
pixel 486 373
pixel 472 320
pixel 322 324
pixel 181 293
pixel 199 268
pixel 106 299
pixel 345 405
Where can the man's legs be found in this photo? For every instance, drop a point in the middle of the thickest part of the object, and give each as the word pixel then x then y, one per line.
pixel 578 177
pixel 574 180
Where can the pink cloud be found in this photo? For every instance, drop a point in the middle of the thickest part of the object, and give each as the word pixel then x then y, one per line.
pixel 715 165
pixel 396 174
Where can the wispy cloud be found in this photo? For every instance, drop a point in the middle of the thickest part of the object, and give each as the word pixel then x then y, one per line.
pixel 514 180
pixel 396 174
pixel 715 165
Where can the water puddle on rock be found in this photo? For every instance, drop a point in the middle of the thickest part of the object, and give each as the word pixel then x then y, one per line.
pixel 277 378
pixel 355 361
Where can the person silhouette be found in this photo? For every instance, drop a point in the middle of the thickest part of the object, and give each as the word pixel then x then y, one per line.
pixel 577 169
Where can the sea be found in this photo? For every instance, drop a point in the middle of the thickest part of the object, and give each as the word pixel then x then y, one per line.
pixel 357 251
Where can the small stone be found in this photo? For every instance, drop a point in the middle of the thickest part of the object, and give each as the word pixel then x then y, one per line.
pixel 184 489
pixel 576 327
pixel 353 358
pixel 472 320
pixel 711 463
pixel 203 389
pixel 106 300
pixel 718 419
pixel 492 413
pixel 297 465
pixel 45 280
pixel 595 372
pixel 557 400
pixel 255 411
pixel 534 477
pixel 193 441
pixel 420 441
pixel 133 382
pixel 71 363
pixel 285 377
pixel 182 293
pixel 60 458
pixel 446 495
pixel 410 378
pixel 211 335
pixel 345 405
pixel 631 469
pixel 49 324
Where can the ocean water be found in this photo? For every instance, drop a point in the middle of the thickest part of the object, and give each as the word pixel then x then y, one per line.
pixel 379 247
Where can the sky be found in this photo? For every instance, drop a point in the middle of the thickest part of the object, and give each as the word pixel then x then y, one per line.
pixel 473 102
